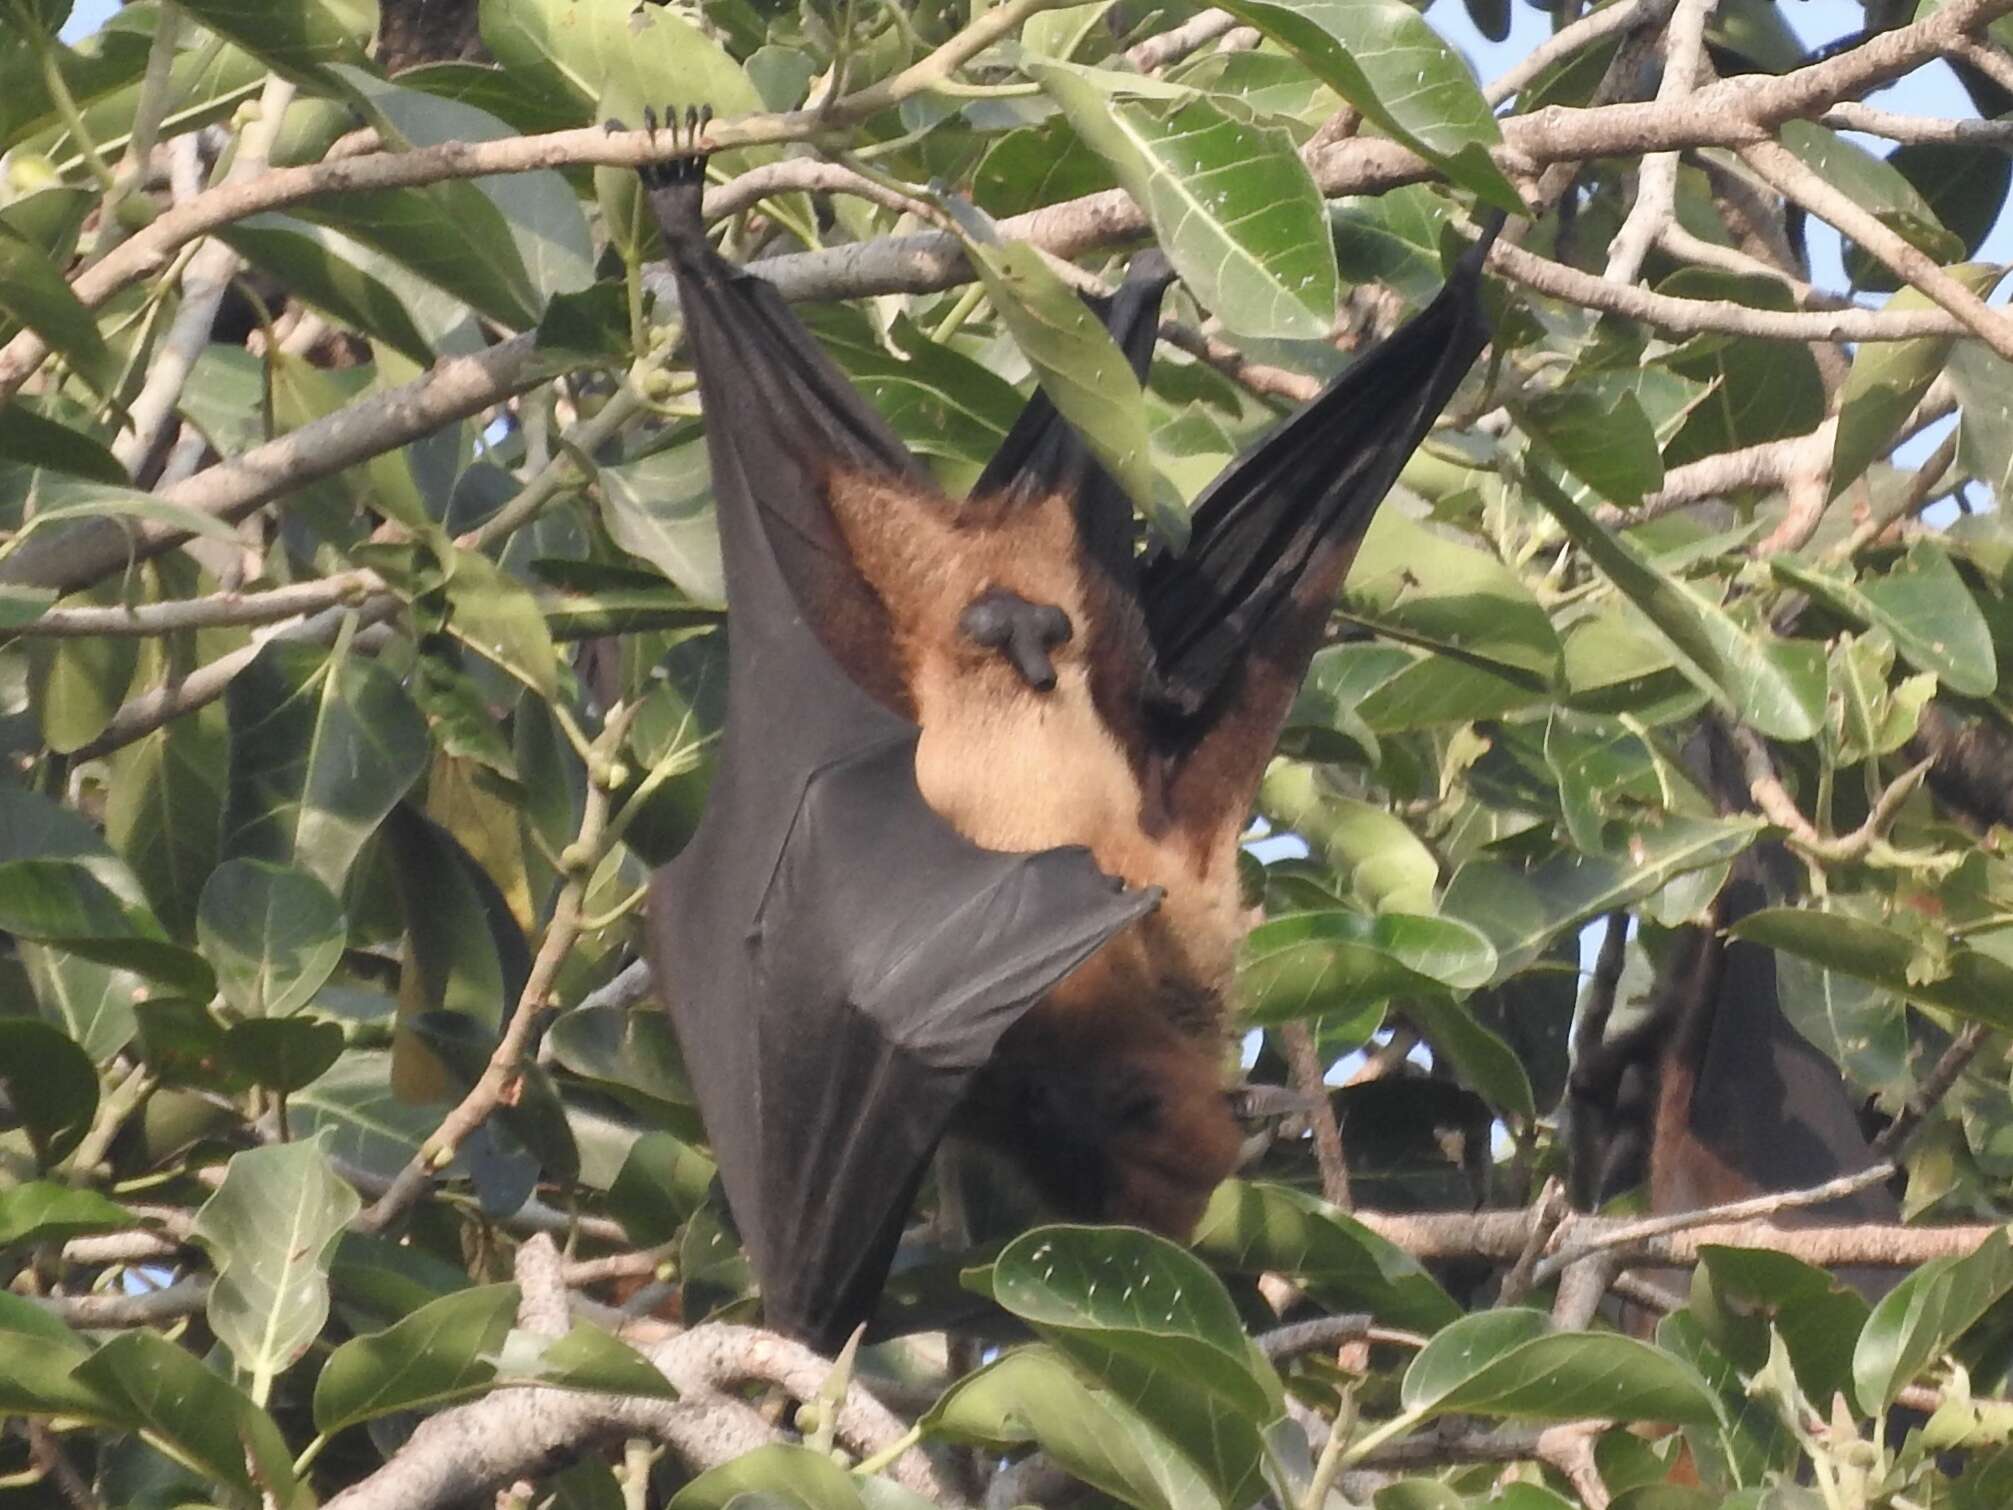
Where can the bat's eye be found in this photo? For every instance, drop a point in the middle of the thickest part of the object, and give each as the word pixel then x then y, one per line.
pixel 1139 1109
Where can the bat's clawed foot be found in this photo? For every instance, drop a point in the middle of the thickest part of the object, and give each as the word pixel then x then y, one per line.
pixel 1000 619
pixel 687 168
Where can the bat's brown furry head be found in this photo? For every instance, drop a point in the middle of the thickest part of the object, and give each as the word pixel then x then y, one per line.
pixel 1115 1113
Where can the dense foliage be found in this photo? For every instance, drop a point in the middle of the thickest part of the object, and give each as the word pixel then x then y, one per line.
pixel 361 650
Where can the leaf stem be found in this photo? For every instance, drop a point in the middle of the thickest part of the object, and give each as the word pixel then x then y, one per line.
pixel 867 1467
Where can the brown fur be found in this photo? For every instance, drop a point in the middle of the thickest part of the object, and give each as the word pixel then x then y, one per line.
pixel 1015 769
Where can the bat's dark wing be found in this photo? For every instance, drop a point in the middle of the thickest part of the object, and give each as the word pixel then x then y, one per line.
pixel 838 961
pixel 1044 454
pixel 1236 616
pixel 1765 1101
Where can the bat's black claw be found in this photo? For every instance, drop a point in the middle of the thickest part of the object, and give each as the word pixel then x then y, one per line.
pixel 675 184
pixel 1000 619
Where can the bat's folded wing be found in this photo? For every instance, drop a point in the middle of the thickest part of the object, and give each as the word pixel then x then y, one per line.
pixel 1280 525
pixel 886 957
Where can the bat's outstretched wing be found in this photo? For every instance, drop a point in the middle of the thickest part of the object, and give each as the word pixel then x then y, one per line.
pixel 1235 618
pixel 839 962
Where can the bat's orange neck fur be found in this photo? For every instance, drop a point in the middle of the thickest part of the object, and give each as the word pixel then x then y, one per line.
pixel 1015 769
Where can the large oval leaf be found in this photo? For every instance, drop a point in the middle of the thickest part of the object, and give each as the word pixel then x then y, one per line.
pixel 1155 1327
pixel 1776 685
pixel 273 934
pixel 1032 1395
pixel 1510 1363
pixel 1386 60
pixel 271 1228
pixel 443 1351
pixel 1312 963
pixel 1231 203
pixel 1919 1319
pixel 1254 1228
pixel 1923 604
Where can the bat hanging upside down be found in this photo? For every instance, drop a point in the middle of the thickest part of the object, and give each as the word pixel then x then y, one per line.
pixel 971 855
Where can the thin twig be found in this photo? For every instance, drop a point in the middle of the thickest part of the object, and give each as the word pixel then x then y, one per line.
pixel 1657 174
pixel 1787 174
pixel 1303 1062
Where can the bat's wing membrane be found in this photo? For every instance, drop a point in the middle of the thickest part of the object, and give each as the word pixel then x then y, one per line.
pixel 1235 617
pixel 887 994
pixel 780 418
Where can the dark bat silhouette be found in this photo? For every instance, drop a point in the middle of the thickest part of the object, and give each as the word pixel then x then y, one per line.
pixel 971 853
pixel 1714 1096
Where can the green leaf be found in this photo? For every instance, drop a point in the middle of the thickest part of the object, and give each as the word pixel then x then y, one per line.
pixel 1772 684
pixel 92 1002
pixel 35 440
pixel 347 280
pixel 363 1121
pixel 1605 440
pixel 467 950
pixel 1258 1228
pixel 322 747
pixel 795 1475
pixel 1963 185
pixel 1313 963
pixel 1477 1056
pixel 1033 1396
pixel 1511 1364
pixel 942 403
pixel 1958 979
pixel 503 244
pixel 184 1046
pixel 1037 166
pixel 1386 60
pixel 1521 912
pixel 586 1359
pixel 1920 1319
pixel 496 616
pixel 34 293
pixel 1743 1295
pixel 613 59
pixel 273 933
pixel 1231 203
pixel 197 1415
pixel 75 498
pixel 50 1085
pixel 1155 1327
pixel 283 1054
pixel 1887 380
pixel 163 811
pixel 661 509
pixel 633 1052
pixel 1923 605
pixel 661 1183
pixel 1984 383
pixel 299 37
pixel 1858 1026
pixel 37 1355
pixel 77 685
pixel 1749 391
pixel 39 1211
pixel 1874 184
pixel 271 1228
pixel 1079 365
pixel 442 1352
